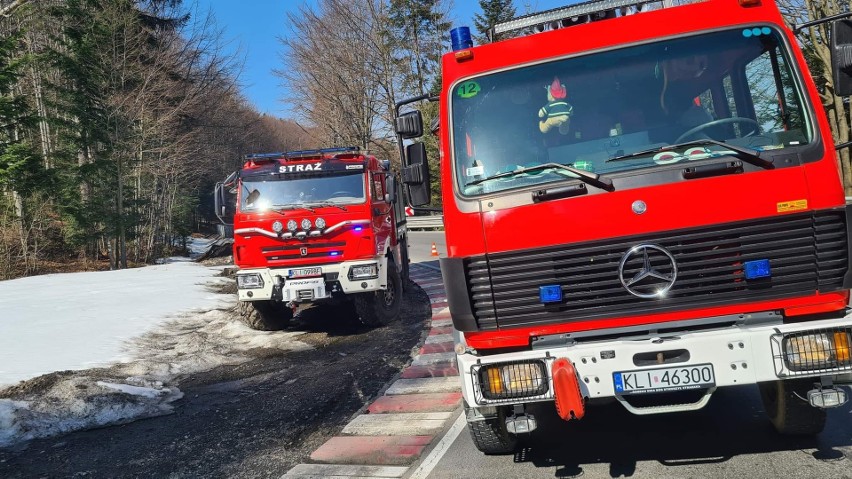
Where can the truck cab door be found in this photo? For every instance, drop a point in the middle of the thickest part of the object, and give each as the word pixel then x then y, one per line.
pixel 382 217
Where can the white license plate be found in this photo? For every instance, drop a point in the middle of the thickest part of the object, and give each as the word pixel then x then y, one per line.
pixel 304 272
pixel 676 378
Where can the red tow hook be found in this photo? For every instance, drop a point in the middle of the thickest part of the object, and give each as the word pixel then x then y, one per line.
pixel 566 390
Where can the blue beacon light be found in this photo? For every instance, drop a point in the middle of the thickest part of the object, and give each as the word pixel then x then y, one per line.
pixel 460 37
pixel 757 269
pixel 551 293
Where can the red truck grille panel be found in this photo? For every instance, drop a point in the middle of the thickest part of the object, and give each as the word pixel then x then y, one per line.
pixel 807 252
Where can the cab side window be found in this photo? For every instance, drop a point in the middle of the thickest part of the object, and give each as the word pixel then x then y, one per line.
pixel 378 186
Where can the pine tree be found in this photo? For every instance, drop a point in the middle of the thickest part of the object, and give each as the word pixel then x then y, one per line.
pixel 493 12
pixel 420 27
pixel 17 164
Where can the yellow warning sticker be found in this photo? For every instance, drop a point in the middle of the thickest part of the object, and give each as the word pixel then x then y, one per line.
pixel 796 205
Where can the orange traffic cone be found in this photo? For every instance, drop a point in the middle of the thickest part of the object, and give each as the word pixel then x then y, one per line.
pixel 434 249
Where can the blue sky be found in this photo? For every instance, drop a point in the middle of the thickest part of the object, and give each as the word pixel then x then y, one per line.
pixel 253 27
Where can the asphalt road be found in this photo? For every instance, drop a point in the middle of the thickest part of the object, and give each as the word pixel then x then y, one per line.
pixel 728 438
pixel 420 246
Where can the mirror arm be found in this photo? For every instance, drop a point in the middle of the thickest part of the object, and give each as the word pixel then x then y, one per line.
pixel 841 146
pixel 798 28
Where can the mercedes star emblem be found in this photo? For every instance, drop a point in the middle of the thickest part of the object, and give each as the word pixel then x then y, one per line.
pixel 647 271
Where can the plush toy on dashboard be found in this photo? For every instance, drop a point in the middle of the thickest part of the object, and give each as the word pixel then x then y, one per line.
pixel 557 112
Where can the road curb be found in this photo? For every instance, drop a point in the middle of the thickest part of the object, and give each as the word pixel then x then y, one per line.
pixel 397 427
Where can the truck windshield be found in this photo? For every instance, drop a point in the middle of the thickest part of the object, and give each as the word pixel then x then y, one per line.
pixel 337 189
pixel 736 86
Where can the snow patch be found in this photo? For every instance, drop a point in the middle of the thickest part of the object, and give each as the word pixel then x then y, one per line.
pixel 84 319
pixel 145 328
pixel 80 403
pixel 150 393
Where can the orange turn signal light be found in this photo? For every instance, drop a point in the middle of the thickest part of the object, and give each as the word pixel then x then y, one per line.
pixel 495 382
pixel 749 3
pixel 463 55
pixel 841 346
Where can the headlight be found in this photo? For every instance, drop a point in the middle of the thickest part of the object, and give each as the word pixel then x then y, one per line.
pixel 292 225
pixel 277 226
pixel 320 223
pixel 364 271
pixel 306 224
pixel 513 380
pixel 817 350
pixel 249 281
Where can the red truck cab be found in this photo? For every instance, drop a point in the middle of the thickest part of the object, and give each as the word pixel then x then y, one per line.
pixel 317 225
pixel 641 203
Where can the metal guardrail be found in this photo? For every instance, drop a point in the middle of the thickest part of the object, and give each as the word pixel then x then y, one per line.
pixel 425 222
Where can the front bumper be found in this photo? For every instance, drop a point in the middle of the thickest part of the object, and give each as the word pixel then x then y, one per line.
pixel 277 285
pixel 740 355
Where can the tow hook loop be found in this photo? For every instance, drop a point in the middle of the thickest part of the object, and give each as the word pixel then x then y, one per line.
pixel 566 390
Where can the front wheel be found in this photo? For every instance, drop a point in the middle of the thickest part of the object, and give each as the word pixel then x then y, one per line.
pixel 265 315
pixel 378 308
pixel 787 406
pixel 491 436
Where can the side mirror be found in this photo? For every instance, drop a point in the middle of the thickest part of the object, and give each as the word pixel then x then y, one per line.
pixel 416 175
pixel 841 56
pixel 390 186
pixel 252 197
pixel 409 125
pixel 220 203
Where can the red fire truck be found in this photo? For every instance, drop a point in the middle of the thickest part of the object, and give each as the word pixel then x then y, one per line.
pixel 313 226
pixel 641 204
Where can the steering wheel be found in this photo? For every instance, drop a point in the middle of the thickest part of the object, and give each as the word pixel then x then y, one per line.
pixel 722 121
pixel 341 193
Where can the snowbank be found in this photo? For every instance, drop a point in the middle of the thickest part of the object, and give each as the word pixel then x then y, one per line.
pixel 82 320
pixel 126 323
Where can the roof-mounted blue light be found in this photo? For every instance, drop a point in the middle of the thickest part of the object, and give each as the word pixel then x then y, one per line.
pixel 302 153
pixel 461 38
pixel 757 269
pixel 261 156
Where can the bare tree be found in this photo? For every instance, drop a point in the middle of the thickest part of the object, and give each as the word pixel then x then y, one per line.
pixel 818 54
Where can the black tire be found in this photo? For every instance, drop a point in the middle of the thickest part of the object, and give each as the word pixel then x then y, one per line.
pixel 265 315
pixel 378 308
pixel 788 409
pixel 491 437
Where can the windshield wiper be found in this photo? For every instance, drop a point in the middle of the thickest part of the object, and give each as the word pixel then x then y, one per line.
pixel 320 204
pixel 595 179
pixel 293 207
pixel 745 154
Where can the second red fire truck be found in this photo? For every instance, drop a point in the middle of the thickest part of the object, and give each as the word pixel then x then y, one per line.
pixel 316 226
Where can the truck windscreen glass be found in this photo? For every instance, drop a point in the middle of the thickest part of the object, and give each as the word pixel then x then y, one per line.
pixel 261 193
pixel 735 86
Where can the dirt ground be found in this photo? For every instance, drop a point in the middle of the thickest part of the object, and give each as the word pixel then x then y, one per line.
pixel 255 419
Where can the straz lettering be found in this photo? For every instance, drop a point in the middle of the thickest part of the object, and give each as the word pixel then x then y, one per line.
pixel 299 168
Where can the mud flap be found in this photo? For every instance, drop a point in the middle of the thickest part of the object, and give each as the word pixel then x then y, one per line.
pixel 566 390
